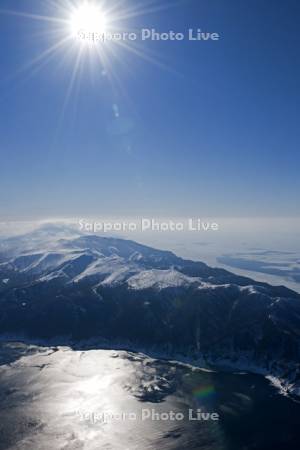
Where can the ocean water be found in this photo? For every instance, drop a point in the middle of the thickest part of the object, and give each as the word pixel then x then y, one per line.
pixel 54 398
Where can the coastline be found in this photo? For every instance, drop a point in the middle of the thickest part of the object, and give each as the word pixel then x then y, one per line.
pixel 202 363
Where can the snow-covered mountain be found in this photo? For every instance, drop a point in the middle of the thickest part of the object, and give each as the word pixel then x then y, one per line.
pixel 56 282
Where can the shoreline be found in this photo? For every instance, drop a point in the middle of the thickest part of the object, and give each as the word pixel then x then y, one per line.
pixel 202 363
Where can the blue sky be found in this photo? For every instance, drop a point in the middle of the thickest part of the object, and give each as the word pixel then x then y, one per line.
pixel 215 132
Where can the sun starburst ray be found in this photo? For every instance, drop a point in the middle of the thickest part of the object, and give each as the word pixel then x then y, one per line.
pixel 61 23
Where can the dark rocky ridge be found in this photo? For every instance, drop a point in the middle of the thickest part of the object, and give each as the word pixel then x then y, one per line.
pixel 87 286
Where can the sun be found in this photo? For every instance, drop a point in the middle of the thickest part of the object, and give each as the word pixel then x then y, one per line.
pixel 75 32
pixel 88 18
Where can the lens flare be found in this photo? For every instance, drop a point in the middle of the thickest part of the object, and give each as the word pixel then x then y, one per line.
pixel 203 392
pixel 68 31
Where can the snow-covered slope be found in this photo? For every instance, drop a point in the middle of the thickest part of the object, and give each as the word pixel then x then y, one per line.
pixel 94 260
pixel 161 279
pixel 86 286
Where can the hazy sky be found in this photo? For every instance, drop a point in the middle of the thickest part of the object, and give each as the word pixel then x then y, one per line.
pixel 209 129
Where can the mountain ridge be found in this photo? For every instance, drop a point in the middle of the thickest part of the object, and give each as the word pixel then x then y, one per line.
pixel 90 287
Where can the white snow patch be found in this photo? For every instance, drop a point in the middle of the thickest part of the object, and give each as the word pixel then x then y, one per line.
pixel 160 279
